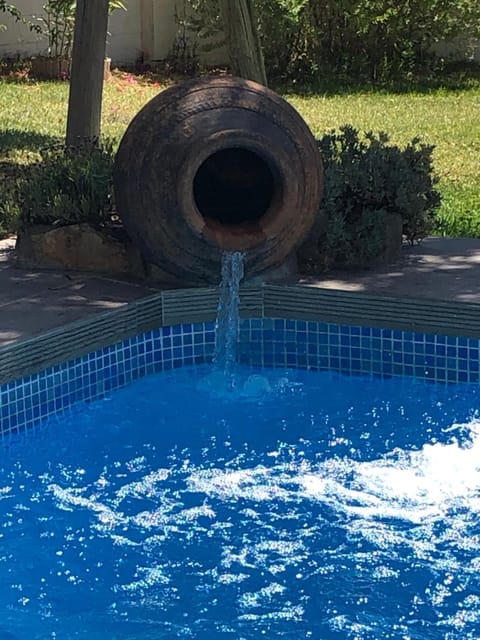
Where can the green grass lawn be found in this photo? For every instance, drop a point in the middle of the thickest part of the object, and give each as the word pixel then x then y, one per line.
pixel 450 120
pixel 33 115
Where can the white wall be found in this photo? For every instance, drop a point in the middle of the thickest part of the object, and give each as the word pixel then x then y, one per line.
pixel 17 38
pixel 147 28
pixel 124 42
pixel 165 27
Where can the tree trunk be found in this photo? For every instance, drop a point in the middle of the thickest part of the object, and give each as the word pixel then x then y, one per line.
pixel 86 84
pixel 243 41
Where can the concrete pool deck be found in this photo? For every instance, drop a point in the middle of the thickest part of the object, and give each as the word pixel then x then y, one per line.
pixel 33 301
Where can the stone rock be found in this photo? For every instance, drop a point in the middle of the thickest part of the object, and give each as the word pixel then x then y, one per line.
pixel 79 247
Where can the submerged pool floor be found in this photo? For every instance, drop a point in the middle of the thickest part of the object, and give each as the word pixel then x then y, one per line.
pixel 297 505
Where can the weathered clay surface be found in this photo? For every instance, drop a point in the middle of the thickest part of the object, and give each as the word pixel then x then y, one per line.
pixel 172 140
pixel 79 247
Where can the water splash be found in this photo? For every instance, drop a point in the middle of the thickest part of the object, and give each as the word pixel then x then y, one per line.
pixel 227 322
pixel 335 508
pixel 224 381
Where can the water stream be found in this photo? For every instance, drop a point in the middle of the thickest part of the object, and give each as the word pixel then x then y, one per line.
pixel 227 322
pixel 226 379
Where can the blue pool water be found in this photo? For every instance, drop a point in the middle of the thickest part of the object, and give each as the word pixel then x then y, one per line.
pixel 297 505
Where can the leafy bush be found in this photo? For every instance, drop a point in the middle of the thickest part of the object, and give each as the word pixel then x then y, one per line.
pixel 56 23
pixel 199 29
pixel 6 7
pixel 9 209
pixel 370 39
pixel 69 186
pixel 374 39
pixel 11 177
pixel 365 180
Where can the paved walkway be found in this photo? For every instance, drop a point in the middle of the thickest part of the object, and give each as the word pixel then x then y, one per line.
pixel 439 268
pixel 34 301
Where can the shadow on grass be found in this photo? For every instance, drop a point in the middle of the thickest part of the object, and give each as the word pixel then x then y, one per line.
pixel 454 79
pixel 19 140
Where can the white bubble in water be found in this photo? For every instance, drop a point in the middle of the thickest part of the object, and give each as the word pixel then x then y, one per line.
pixel 256 385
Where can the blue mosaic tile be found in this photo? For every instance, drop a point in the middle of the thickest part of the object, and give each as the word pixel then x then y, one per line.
pixel 267 342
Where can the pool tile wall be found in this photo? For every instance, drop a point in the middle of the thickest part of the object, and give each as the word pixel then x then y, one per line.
pixel 33 398
pixel 358 350
pixel 281 342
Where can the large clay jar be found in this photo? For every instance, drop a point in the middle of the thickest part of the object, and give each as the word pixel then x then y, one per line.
pixel 217 164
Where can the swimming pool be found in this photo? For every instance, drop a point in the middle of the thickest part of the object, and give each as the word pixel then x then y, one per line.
pixel 302 504
pixel 311 502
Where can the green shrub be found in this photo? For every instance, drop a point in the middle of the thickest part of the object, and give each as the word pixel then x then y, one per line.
pixel 199 29
pixel 371 39
pixel 9 212
pixel 307 41
pixel 69 186
pixel 365 180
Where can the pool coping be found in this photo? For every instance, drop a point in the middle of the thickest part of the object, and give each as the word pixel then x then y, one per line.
pixel 299 302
